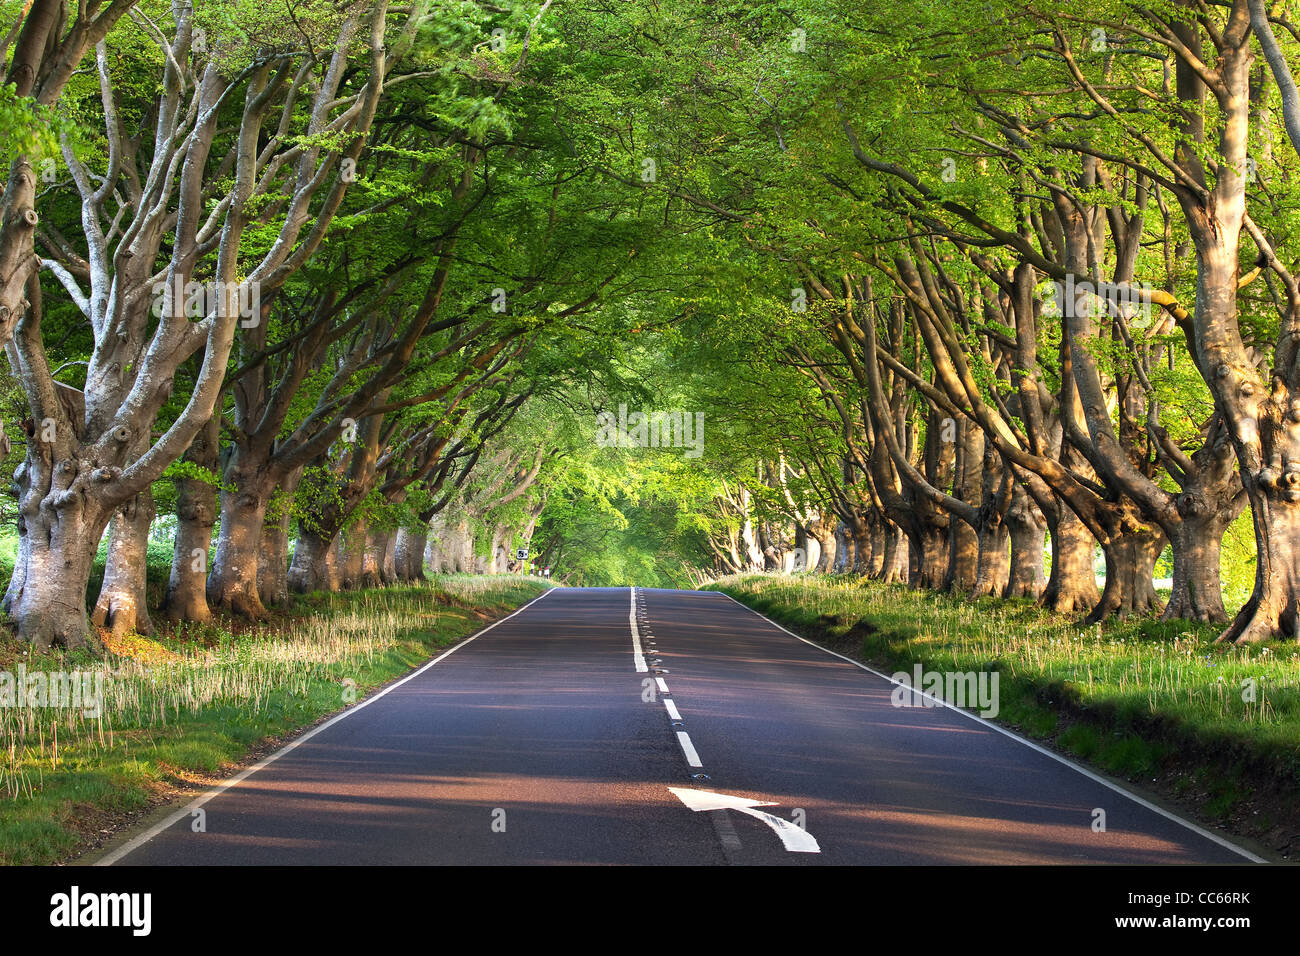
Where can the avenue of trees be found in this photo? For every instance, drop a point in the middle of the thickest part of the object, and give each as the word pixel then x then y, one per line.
pixel 333 292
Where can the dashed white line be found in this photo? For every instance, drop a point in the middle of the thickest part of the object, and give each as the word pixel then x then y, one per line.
pixel 688 749
pixel 638 657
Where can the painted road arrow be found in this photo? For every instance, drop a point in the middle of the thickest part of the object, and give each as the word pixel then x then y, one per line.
pixel 795 839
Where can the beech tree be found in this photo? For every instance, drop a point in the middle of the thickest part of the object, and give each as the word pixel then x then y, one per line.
pixel 90 450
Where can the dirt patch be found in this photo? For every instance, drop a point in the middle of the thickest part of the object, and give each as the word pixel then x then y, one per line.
pixel 843 635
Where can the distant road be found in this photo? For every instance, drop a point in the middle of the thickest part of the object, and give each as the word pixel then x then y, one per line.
pixel 540 741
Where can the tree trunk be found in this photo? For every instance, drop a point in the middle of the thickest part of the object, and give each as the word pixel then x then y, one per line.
pixel 1273 610
pixel 315 564
pixel 122 607
pixel 350 549
pixel 877 530
pixel 232 585
pixel 377 567
pixel 930 557
pixel 894 557
pixel 1197 587
pixel 196 516
pixel 963 557
pixel 1072 586
pixel 1266 432
pixel 408 557
pixel 1130 570
pixel 49 605
pixel 273 565
pixel 863 552
pixel 801 551
pixel 1027 529
pixel 60 522
pixel 967 485
pixel 844 560
pixel 993 568
pixel 825 538
pixel 433 555
pixel 499 557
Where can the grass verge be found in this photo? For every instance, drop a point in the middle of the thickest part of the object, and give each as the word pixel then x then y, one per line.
pixel 1213 729
pixel 192 705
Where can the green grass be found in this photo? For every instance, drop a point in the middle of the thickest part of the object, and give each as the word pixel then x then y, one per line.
pixel 196 702
pixel 1139 698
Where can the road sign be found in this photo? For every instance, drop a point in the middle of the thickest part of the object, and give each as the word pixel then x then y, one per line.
pixel 522 554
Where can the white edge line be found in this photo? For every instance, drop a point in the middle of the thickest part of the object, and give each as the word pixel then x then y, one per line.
pixel 688 749
pixel 136 842
pixel 1212 837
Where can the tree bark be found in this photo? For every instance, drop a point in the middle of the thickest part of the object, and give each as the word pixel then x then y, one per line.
pixel 196 516
pixel 1027 529
pixel 1072 585
pixel 315 564
pixel 232 585
pixel 57 549
pixel 122 606
pixel 860 534
pixel 930 557
pixel 409 554
pixel 963 558
pixel 351 555
pixel 894 556
pixel 1130 567
pixel 964 544
pixel 993 569
pixel 377 563
pixel 824 535
pixel 273 563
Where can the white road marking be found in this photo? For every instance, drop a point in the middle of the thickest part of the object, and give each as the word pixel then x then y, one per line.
pixel 795 839
pixel 688 749
pixel 638 658
pixel 671 708
pixel 1212 837
pixel 243 775
pixel 663 685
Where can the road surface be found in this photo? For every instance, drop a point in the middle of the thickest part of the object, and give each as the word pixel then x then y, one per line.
pixel 544 741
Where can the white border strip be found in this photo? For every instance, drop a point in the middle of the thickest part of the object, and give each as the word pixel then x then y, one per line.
pixel 638 657
pixel 1212 837
pixel 136 842
pixel 688 749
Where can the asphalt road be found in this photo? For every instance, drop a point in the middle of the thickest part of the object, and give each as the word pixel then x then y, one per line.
pixel 540 741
